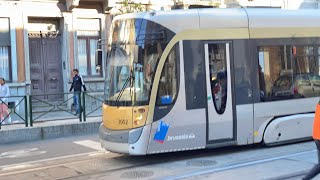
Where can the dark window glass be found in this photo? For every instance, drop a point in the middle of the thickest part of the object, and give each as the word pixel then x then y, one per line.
pixel 167 90
pixel 287 72
pixel 134 49
pixel 218 76
pixel 195 74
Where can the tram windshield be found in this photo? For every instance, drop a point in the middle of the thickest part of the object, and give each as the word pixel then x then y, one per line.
pixel 134 49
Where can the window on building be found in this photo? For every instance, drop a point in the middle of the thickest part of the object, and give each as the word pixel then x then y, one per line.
pixel 88 34
pixel 5 57
pixel 288 72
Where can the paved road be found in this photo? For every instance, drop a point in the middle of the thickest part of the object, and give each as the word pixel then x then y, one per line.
pixel 82 158
pixel 48 149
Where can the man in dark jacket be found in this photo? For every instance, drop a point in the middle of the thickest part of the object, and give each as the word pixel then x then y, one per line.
pixel 76 85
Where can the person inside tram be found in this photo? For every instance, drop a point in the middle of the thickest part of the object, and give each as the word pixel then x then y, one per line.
pixel 223 84
pixel 220 91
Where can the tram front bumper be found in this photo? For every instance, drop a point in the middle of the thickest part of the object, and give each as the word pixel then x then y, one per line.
pixel 115 147
pixel 118 141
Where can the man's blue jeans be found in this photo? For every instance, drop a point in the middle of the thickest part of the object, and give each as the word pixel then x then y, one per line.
pixel 76 96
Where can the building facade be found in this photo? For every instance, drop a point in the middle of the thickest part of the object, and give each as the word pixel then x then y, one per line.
pixel 42 41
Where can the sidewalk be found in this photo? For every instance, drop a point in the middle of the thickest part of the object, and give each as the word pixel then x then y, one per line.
pixel 13 133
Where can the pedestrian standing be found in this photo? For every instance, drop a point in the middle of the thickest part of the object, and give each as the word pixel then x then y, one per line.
pixel 77 84
pixel 316 136
pixel 4 94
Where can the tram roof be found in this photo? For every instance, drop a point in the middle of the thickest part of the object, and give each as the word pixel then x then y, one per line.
pixel 180 20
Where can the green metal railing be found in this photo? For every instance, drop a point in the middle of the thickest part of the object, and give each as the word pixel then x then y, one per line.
pixel 50 103
pixel 53 107
pixel 89 109
pixel 11 109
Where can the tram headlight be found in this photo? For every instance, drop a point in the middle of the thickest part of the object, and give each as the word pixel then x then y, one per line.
pixel 137 119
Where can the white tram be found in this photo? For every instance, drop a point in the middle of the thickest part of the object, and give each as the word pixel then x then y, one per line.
pixel 193 79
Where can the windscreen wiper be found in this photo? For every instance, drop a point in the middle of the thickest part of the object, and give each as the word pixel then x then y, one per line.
pixel 123 88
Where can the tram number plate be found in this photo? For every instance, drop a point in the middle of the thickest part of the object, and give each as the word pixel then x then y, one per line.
pixel 123 121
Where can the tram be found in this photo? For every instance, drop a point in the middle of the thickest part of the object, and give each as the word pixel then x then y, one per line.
pixel 203 78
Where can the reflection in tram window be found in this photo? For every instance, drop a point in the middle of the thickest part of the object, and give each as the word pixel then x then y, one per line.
pixel 133 53
pixel 167 90
pixel 287 72
pixel 218 74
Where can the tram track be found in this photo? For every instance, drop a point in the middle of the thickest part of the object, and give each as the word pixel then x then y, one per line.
pixel 165 158
pixel 122 166
pixel 244 164
pixel 189 175
pixel 102 173
pixel 43 165
pixel 37 165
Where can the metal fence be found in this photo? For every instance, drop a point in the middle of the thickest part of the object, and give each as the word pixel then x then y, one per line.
pixel 31 109
pixel 13 110
pixel 92 104
pixel 52 107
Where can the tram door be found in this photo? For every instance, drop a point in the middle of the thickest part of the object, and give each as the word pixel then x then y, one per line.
pixel 219 96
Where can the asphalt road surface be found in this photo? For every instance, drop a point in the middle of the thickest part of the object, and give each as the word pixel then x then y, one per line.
pixel 82 158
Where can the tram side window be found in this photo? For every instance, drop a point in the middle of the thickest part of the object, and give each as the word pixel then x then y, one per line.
pixel 218 76
pixel 306 71
pixel 167 89
pixel 288 72
pixel 275 70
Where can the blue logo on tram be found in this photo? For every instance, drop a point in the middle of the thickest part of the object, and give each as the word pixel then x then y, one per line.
pixel 161 132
